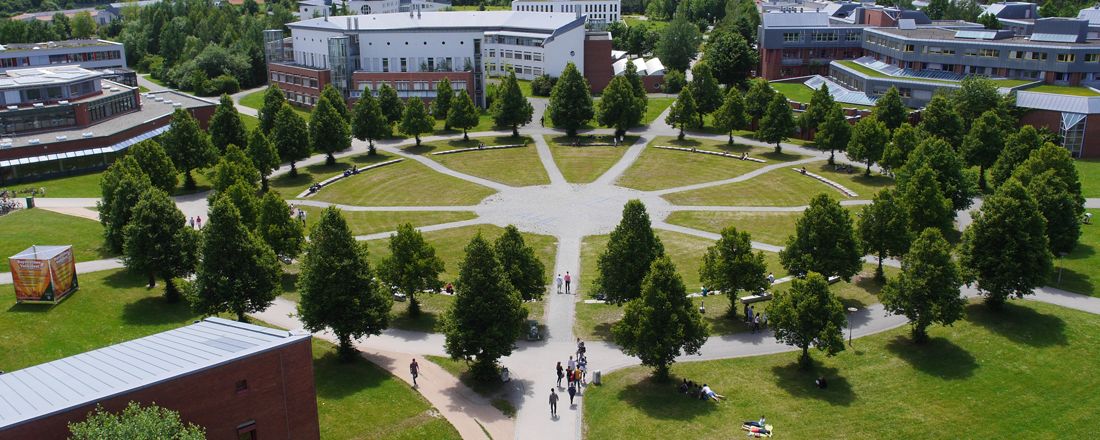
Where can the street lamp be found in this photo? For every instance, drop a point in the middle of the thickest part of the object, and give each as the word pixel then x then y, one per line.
pixel 851 310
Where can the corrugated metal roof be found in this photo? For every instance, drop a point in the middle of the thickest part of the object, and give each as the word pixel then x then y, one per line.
pixel 1091 14
pixel 795 19
pixel 1059 103
pixel 94 376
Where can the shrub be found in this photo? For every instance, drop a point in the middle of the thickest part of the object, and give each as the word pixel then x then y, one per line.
pixel 674 81
pixel 543 85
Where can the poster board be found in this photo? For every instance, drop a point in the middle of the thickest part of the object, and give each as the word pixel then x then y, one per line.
pixel 44 274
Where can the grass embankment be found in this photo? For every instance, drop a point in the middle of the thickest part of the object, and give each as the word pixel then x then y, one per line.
pixel 778 187
pixel 765 227
pixel 658 168
pixel 406 183
pixel 372 222
pixel 1079 269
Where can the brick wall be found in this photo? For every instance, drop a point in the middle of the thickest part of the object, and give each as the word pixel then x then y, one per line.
pixel 323 78
pixel 280 399
pixel 597 63
pixel 432 77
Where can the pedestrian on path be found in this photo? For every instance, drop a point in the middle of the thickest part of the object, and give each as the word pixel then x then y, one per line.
pixel 414 368
pixel 553 403
pixel 568 279
pixel 756 324
pixel 560 374
pixel 580 348
pixel 198 220
pixel 572 393
pixel 191 221
pixel 559 281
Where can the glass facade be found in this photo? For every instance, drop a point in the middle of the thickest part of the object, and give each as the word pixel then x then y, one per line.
pixel 110 106
pixel 28 120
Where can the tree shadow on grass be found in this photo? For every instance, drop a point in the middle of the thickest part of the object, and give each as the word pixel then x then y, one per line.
pixel 938 357
pixel 780 157
pixel 603 331
pixel 420 149
pixel 1073 281
pixel 426 322
pixel 335 379
pixel 155 310
pixel 367 159
pixel 662 400
pixel 1020 324
pixel 799 382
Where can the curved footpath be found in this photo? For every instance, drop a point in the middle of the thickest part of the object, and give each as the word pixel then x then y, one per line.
pixel 569 212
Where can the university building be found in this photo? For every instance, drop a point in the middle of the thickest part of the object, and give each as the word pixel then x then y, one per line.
pixel 106 56
pixel 597 11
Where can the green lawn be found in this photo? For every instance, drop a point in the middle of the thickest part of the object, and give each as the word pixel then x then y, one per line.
pixel 876 74
pixel 799 92
pixel 370 222
pixel 1080 269
pixel 723 146
pixel 511 166
pixel 765 227
pixel 1063 90
pixel 359 400
pixel 256 100
pixel 780 187
pixel 250 122
pixel 492 390
pixel 26 227
pixel 406 183
pixel 585 164
pixel 81 186
pixel 290 187
pixel 865 186
pixel 654 107
pixel 1088 171
pixel 659 168
pixel 485 123
pixel 1024 372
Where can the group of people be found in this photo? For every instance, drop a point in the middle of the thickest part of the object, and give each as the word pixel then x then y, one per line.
pixel 195 222
pixel 353 170
pixel 575 373
pixel 298 213
pixel 701 392
pixel 754 320
pixel 567 280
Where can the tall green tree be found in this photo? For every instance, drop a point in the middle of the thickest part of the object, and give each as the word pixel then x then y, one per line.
pixel 731 115
pixel 570 101
pixel 487 315
pixel 158 241
pixel 277 227
pixel 239 272
pixel 338 287
pixel 824 241
pixel 706 91
pixel 890 110
pixel 809 315
pixel 121 185
pixel 1005 249
pixel 291 137
pixel 631 74
pixel 263 154
pixel 662 323
pixel 83 25
pixel 511 108
pixel 273 102
pixel 758 97
pixel 682 111
pixel 367 120
pixel 338 102
pixel 412 266
pixel 1051 157
pixel 463 114
pixel 983 143
pixel 730 266
pixel 990 21
pixel 731 57
pixel 927 289
pixel 188 146
pixel 869 139
pixel 821 103
pixel 135 423
pixel 940 119
pixel 975 96
pixel 957 186
pixel 225 126
pixel 884 227
pixel 924 202
pixel 1018 147
pixel 1061 211
pixel 417 120
pixel 391 104
pixel 619 106
pixel 521 267
pixel 233 167
pixel 834 133
pixel 441 105
pixel 631 249
pixel 778 122
pixel 904 141
pixel 328 129
pixel 679 42
pixel 155 163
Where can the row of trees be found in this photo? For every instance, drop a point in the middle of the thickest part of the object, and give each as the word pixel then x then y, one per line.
pixel 760 106
pixel 60 27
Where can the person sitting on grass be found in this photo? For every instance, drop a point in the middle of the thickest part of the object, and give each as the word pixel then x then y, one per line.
pixel 683 387
pixel 709 393
pixel 821 383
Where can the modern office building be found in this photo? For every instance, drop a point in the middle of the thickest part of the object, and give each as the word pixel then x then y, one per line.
pixel 65 119
pixel 236 380
pixel 107 56
pixel 319 8
pixel 414 51
pixel 597 11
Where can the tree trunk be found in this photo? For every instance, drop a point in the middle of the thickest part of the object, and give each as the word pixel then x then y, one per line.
pixel 731 137
pixel 188 180
pixel 152 280
pixel 981 177
pixel 330 159
pixel 465 135
pixel 293 170
pixel 417 136
pixel 241 317
pixel 171 293
pixel 804 361
pixel 778 148
pixel 414 306
pixel 832 154
pixel 346 350
pixel 515 131
pixel 920 333
pixel 868 172
pixel 879 274
pixel 660 373
pixel 681 135
pixel 263 183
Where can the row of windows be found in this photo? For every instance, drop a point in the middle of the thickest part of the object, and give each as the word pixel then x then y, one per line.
pixel 15 62
pixel 795 37
pixel 419 64
pixel 503 68
pixel 297 80
pixel 56 118
pixel 85 57
pixel 527 56
pixel 402 86
pixel 982 52
pixel 105 108
pixel 513 41
pixel 301 98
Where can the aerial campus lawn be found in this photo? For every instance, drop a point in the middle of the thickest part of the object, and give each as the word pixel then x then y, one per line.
pixel 654 107
pixel 23 228
pixel 659 168
pixel 1078 269
pixel 354 401
pixel 585 164
pixel 778 187
pixel 371 222
pixel 87 185
pixel 519 166
pixel 1088 170
pixel 256 100
pixel 406 183
pixel 494 390
pixel 799 92
pixel 772 227
pixel 1026 371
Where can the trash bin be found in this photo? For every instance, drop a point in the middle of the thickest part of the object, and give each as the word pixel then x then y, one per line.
pixel 596 377
pixel 30 202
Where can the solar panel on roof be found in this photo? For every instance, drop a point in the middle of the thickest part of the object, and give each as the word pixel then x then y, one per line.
pixel 976 35
pixel 1054 38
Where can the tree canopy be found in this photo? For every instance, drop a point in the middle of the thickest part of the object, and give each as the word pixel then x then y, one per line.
pixel 225 126
pixel 441 105
pixel 367 120
pixel 679 42
pixel 239 272
pixel 524 271
pixel 121 185
pixel 263 154
pixel 276 226
pixel 868 141
pixel 730 56
pixel 463 114
pixel 135 423
pixel 927 289
pixel 884 227
pixel 511 108
pixel 155 163
pixel 706 91
pixel 631 249
pixel 570 101
pixel 824 241
pixel 834 133
pixel 328 127
pixel 808 314
pixel 188 145
pixel 412 265
pixel 619 106
pixel 682 111
pixel 890 110
pixel 731 115
pixel 778 122
pixel 158 241
pixel 731 266
pixel 291 137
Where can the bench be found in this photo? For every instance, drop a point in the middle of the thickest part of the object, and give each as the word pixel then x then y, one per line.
pixel 763 296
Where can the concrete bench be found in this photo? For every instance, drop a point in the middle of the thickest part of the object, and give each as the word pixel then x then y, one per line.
pixel 838 186
pixel 463 150
pixel 713 153
pixel 765 296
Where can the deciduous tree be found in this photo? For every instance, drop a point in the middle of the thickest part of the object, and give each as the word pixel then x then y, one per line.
pixel 273 102
pixel 225 126
pixel 983 143
pixel 264 155
pixel 122 185
pixel 188 146
pixel 1051 157
pixel 940 119
pixel 328 129
pixel 239 272
pixel 679 42
pixel 338 102
pixel 809 315
pixel 570 101
pixel 778 122
pixel 521 267
pixel 682 111
pixel 154 161
pixel 291 137
pixel 834 133
pixel 630 251
pixel 391 104
pixel 904 141
pixel 730 55
pixel 821 103
pixel 441 105
pixel 416 120
pixel 234 167
pixel 975 96
pixel 924 202
pixel 619 106
pixel 731 266
pixel 869 139
pixel 510 108
pixel 705 90
pixel 412 265
pixel 824 241
pixel 957 186
pixel 1059 208
pixel 277 227
pixel 368 122
pixel 731 115
pixel 1018 147
pixel 135 423
pixel 927 289
pixel 158 241
pixel 884 227
pixel 463 114
pixel 758 97
pixel 890 110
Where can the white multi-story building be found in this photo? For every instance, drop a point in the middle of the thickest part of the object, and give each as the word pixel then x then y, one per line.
pixel 413 51
pixel 605 11
pixel 316 8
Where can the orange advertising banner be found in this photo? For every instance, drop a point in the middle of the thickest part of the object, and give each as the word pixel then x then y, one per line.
pixel 63 274
pixel 32 279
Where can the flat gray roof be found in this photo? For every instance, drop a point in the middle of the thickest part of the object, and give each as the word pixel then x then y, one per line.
pixel 441 20
pixel 19 47
pixel 41 76
pixel 937 34
pixel 90 377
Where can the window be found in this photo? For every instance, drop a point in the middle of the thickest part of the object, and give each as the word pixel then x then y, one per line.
pixel 1041 56
pixel 851 36
pixel 385 64
pixel 824 36
pixel 989 53
pixel 792 37
pixel 1092 57
pixel 908 48
pixel 1066 57
pixel 247 430
pixel 404 64
pixel 1016 54
pixel 431 64
pixel 492 53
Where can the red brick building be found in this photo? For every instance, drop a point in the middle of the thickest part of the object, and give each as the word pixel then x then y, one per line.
pixel 236 380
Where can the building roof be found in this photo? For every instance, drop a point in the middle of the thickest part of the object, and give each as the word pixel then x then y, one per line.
pixel 1091 14
pixel 949 35
pixel 48 15
pixel 1089 105
pixel 19 78
pixel 90 377
pixel 1016 10
pixel 19 47
pixel 442 20
pixel 794 19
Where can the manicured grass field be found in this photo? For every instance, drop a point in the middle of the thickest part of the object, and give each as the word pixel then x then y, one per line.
pixel 1024 372
pixel 765 227
pixel 1080 269
pixel 290 187
pixel 866 187
pixel 359 400
pixel 511 166
pixel 406 183
pixel 780 187
pixel 723 146
pixel 370 222
pixel 1088 171
pixel 24 228
pixel 654 108
pixel 250 122
pixel 80 185
pixel 659 168
pixel 256 101
pixel 585 164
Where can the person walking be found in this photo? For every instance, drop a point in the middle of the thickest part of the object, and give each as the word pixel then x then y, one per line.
pixel 198 221
pixel 559 281
pixel 580 348
pixel 553 403
pixel 572 393
pixel 560 374
pixel 414 368
pixel 568 279
pixel 191 221
pixel 756 323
